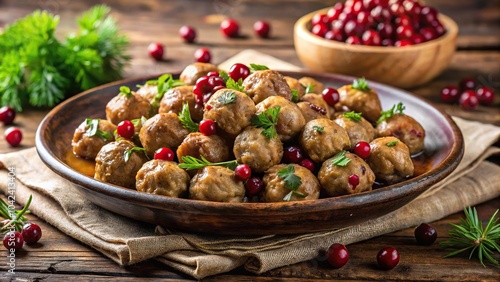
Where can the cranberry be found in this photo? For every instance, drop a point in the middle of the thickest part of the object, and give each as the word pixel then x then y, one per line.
pixel 319 18
pixel 262 29
pixel 439 30
pixel 13 136
pixel 402 43
pixel 412 8
pixel 468 100
pixel 230 28
pixel 352 28
pixel 402 20
pixel 388 258
pixel 330 95
pixel 371 38
pixel 333 13
pixel 364 18
pixel 334 35
pixel 239 71
pixel 207 127
pixel 485 95
pixel 353 181
pixel 353 40
pixel 467 83
pixel 319 30
pixel 31 233
pixel 215 81
pixel 293 154
pixel 7 115
pixel 387 42
pixel 417 39
pixel 404 32
pixel 307 163
pixel 202 86
pixel 397 9
pixel 202 55
pixel 449 94
pixel 380 14
pixel 428 33
pixel 187 33
pixel 213 73
pixel 385 29
pixel 156 51
pixel 164 153
pixel 253 186
pixel 13 240
pixel 125 129
pixel 428 14
pixel 362 149
pixel 357 7
pixel 425 234
pixel 337 255
pixel 243 172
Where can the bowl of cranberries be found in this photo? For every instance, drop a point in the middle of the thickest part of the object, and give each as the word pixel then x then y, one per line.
pixel 403 43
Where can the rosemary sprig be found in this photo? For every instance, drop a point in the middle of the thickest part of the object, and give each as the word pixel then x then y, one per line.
pixel 15 218
pixel 470 236
pixel 190 163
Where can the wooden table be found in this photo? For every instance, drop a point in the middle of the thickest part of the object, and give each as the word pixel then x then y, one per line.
pixel 60 257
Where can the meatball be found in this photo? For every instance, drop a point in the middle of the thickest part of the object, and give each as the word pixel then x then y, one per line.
pixel 311 111
pixel 323 138
pixel 127 106
pixel 294 84
pixel 262 84
pixel 230 109
pixel 112 167
pixel 251 147
pixel 317 100
pixel 277 190
pixel 174 98
pixel 148 91
pixel 196 70
pixel 216 184
pixel 87 146
pixel 357 129
pixel 361 101
pixel 390 160
pixel 354 177
pixel 162 178
pixel 311 83
pixel 213 148
pixel 290 119
pixel 162 130
pixel 406 129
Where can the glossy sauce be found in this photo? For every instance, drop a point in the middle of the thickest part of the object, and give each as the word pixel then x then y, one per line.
pixel 83 166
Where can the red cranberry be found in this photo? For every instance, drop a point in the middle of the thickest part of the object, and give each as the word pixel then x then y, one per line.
pixel 397 9
pixel 353 40
pixel 467 83
pixel 215 81
pixel 13 240
pixel 450 94
pixel 213 73
pixel 242 172
pixel 417 39
pixel 207 127
pixel 352 28
pixel 202 55
pixel 7 115
pixel 380 14
pixel 156 51
pixel 13 136
pixel 331 96
pixel 365 19
pixel 485 95
pixel 357 7
pixel 293 154
pixel 468 100
pixel 428 33
pixel 239 71
pixel 307 163
pixel 404 32
pixel 125 129
pixel 202 86
pixel 337 255
pixel 334 35
pixel 402 43
pixel 440 30
pixel 187 33
pixel 353 181
pixel 333 13
pixel 388 258
pixel 319 30
pixel 164 153
pixel 338 26
pixel 428 14
pixel 31 233
pixel 319 18
pixel 413 8
pixel 362 149
pixel 385 29
pixel 262 29
pixel 425 234
pixel 387 42
pixel 402 20
pixel 253 186
pixel 216 88
pixel 371 38
pixel 230 28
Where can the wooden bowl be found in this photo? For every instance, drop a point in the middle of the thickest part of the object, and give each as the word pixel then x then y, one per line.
pixel 444 149
pixel 403 67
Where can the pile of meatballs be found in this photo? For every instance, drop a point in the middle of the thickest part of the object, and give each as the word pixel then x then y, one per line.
pixel 327 134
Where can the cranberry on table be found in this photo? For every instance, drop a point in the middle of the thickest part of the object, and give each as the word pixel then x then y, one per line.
pixel 362 149
pixel 239 71
pixel 31 233
pixel 156 51
pixel 7 115
pixel 202 55
pixel 207 127
pixel 485 95
pixel 450 94
pixel 230 28
pixel 125 129
pixel 188 33
pixel 13 136
pixel 331 96
pixel 468 100
pixel 467 83
pixel 242 172
pixel 253 186
pixel 425 234
pixel 293 154
pixel 164 153
pixel 13 240
pixel 307 163
pixel 262 29
pixel 388 258
pixel 337 255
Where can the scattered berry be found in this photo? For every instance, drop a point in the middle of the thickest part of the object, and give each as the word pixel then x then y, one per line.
pixel 467 83
pixel 125 129
pixel 331 96
pixel 13 240
pixel 7 115
pixel 293 154
pixel 202 55
pixel 156 51
pixel 13 136
pixel 485 95
pixel 164 153
pixel 388 258
pixel 450 94
pixel 262 29
pixel 230 28
pixel 207 127
pixel 362 149
pixel 239 71
pixel 31 233
pixel 187 33
pixel 425 234
pixel 337 255
pixel 242 172
pixel 253 186
pixel 468 100
pixel 307 163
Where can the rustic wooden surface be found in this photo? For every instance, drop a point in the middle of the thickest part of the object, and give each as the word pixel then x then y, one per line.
pixel 59 257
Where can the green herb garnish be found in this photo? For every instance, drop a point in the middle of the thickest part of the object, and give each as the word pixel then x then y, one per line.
pixel 353 116
pixel 227 97
pixel 190 163
pixel 292 181
pixel 93 130
pixel 470 236
pixel 318 129
pixel 236 85
pixel 139 121
pixel 340 159
pixel 268 121
pixel 186 120
pixel 224 76
pixel 164 83
pixel 256 67
pixel 310 88
pixel 125 91
pixel 360 84
pixel 396 109
pixel 128 153
pixel 392 143
pixel 295 95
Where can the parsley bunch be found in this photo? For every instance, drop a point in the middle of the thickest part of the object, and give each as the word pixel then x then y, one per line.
pixel 38 69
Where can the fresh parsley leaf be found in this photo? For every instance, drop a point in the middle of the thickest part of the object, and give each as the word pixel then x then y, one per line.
pixel 227 97
pixel 128 153
pixel 190 163
pixel 310 88
pixel 125 91
pixel 292 181
pixel 319 129
pixel 268 121
pixel 360 84
pixel 93 130
pixel 392 143
pixel 256 67
pixel 295 95
pixel 186 120
pixel 340 159
pixel 231 84
pixel 224 76
pixel 164 83
pixel 396 109
pixel 353 116
pixel 139 121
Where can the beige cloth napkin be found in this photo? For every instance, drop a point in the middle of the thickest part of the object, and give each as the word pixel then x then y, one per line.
pixel 127 241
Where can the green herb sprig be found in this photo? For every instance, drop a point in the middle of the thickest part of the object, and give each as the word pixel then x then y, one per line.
pixel 268 121
pixel 395 109
pixel 310 88
pixel 190 163
pixel 128 153
pixel 292 182
pixel 125 91
pixel 256 67
pixel 93 130
pixel 16 218
pixel 340 159
pixel 353 116
pixel 231 83
pixel 392 143
pixel 319 129
pixel 295 95
pixel 360 84
pixel 186 120
pixel 164 83
pixel 227 97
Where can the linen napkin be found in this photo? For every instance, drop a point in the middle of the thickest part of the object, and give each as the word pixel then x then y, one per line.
pixel 127 241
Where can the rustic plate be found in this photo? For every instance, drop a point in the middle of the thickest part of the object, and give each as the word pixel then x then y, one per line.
pixel 444 150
